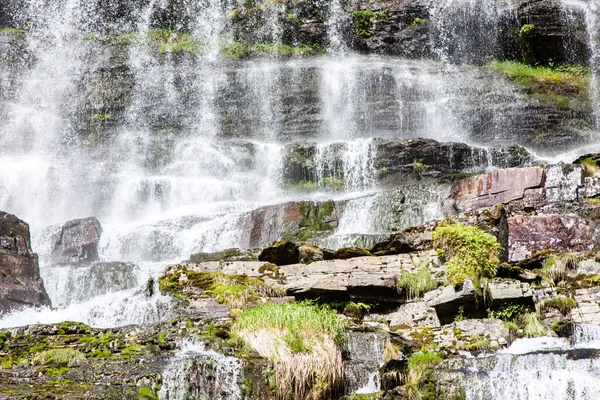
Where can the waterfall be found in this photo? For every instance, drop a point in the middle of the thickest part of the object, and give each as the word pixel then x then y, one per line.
pixel 337 21
pixel 198 373
pixel 593 27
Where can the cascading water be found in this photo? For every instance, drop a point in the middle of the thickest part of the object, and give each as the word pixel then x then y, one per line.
pixel 198 373
pixel 541 368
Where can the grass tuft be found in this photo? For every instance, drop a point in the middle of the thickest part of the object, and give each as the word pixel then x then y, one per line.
pixel 304 342
pixel 415 284
pixel 62 357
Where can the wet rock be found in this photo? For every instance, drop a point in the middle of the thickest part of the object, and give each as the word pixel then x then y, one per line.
pixel 498 187
pixel 555 36
pixel 364 357
pixel 82 282
pixel 587 295
pixel 77 241
pixel 562 233
pixel 416 314
pixel 509 291
pixel 448 300
pixel 20 282
pixel 282 253
pixel 292 221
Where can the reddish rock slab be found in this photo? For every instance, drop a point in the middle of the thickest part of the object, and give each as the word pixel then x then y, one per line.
pixel 20 282
pixel 562 233
pixel 498 187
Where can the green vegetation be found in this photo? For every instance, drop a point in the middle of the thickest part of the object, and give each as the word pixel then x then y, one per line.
pixel 468 251
pixel 302 339
pixel 591 166
pixel 13 30
pixel 146 393
pixel 418 22
pixel 477 342
pixel 315 217
pixel 233 290
pixel 532 327
pixel 65 357
pixel 547 84
pixel 525 34
pixel 57 371
pixel 170 41
pixel 561 303
pixel 415 284
pixel 419 385
pixel 419 168
pixel 510 312
pixel 364 20
pixel 556 268
pixel 240 50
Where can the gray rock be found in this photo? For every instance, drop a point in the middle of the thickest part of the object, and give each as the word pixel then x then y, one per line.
pixel 365 356
pixel 416 314
pixel 447 300
pixel 77 241
pixel 489 328
pixel 586 313
pixel 507 291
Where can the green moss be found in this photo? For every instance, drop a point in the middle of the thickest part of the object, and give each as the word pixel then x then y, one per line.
pixel 364 20
pixel 57 371
pixel 65 357
pixel 239 50
pixel 468 251
pixel 477 342
pixel 415 284
pixel 170 41
pixel 561 303
pixel 233 290
pixel 13 30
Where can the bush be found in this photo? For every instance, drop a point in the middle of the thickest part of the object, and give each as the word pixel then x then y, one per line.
pixel 561 303
pixel 510 312
pixel 419 368
pixel 468 251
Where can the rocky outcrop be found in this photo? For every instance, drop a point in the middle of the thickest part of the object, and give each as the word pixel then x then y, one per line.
pixel 448 300
pixel 20 282
pixel 76 241
pixel 502 292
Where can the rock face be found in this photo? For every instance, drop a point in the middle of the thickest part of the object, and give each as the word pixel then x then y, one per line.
pixel 77 241
pixel 20 282
pixel 365 357
pixel 562 233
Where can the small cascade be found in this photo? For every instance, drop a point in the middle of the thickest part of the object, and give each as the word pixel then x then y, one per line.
pixel 539 368
pixel 338 20
pixel 366 354
pixel 198 373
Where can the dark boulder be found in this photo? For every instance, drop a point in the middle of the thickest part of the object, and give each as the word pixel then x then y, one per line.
pixel 20 282
pixel 282 253
pixel 77 241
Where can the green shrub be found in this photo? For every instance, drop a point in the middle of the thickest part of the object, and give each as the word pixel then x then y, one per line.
pixel 364 20
pixel 415 284
pixel 468 251
pixel 510 312
pixel 146 393
pixel 532 327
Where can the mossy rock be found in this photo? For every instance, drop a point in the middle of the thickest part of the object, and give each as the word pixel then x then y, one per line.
pixel 281 253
